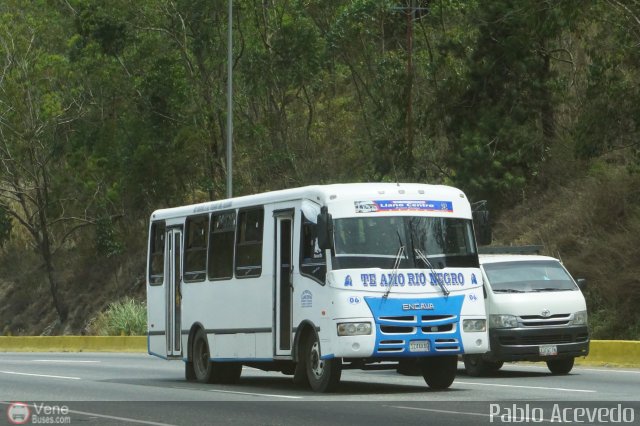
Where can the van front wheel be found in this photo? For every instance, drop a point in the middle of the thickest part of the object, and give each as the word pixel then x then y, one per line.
pixel 476 366
pixel 560 366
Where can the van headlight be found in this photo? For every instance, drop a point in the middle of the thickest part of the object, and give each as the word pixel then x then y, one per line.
pixel 503 321
pixel 354 328
pixel 471 325
pixel 580 318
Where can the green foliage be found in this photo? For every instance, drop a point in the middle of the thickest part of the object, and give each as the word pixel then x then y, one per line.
pixel 609 121
pixel 591 223
pixel 116 108
pixel 107 240
pixel 504 118
pixel 5 226
pixel 127 317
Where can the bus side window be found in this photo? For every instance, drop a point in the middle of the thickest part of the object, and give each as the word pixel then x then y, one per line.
pixel 221 243
pixel 312 259
pixel 156 254
pixel 195 253
pixel 249 243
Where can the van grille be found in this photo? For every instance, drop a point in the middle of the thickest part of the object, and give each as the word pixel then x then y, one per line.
pixel 540 321
pixel 542 339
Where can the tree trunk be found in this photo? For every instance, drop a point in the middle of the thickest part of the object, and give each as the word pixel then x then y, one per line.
pixel 45 252
pixel 59 306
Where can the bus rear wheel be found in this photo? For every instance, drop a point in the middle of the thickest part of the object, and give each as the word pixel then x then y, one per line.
pixel 323 374
pixel 205 370
pixel 189 371
pixel 439 372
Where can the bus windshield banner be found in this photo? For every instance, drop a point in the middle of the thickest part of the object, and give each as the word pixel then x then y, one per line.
pixel 373 206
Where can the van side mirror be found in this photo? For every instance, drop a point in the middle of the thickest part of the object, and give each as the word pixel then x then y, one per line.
pixel 481 224
pixel 325 229
pixel 582 283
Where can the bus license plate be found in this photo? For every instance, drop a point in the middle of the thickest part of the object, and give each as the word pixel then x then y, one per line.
pixel 419 346
pixel 548 350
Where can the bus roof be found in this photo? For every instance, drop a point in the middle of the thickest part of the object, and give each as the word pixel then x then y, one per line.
pixel 500 258
pixel 323 195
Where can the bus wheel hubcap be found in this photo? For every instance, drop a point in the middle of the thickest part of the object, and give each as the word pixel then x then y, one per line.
pixel 317 365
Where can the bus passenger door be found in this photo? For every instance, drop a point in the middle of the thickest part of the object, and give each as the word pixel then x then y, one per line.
pixel 284 281
pixel 173 296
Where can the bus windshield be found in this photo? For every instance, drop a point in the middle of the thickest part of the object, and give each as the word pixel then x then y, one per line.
pixel 374 242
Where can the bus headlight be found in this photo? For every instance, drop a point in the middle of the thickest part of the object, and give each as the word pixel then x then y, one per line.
pixel 471 325
pixel 503 321
pixel 354 328
pixel 580 318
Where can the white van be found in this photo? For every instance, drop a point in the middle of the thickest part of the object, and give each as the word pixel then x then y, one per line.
pixel 536 312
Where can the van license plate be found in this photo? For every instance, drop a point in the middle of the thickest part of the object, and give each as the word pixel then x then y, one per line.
pixel 419 346
pixel 548 350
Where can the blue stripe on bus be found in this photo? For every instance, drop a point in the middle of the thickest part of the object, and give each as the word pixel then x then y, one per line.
pixel 241 359
pixel 396 344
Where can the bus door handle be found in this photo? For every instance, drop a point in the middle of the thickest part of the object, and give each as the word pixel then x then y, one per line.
pixel 291 277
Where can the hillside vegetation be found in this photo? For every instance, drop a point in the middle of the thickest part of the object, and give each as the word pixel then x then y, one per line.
pixel 110 109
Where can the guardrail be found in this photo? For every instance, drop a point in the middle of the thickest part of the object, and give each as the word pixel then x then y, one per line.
pixel 73 343
pixel 621 353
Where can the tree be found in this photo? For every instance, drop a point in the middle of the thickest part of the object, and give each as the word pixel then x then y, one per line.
pixel 504 119
pixel 610 105
pixel 39 103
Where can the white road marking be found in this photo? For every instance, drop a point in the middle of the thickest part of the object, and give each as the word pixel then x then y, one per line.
pixel 64 360
pixel 577 367
pixel 40 375
pixel 609 370
pixel 123 419
pixel 526 387
pixel 105 416
pixel 514 419
pixel 241 393
pixel 438 411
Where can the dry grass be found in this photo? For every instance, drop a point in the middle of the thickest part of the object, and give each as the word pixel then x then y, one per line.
pixel 593 225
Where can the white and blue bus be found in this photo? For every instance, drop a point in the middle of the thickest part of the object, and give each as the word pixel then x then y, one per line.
pixel 314 280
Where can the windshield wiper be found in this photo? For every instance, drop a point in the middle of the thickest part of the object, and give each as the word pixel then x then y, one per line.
pixel 427 262
pixel 550 289
pixel 508 290
pixel 396 266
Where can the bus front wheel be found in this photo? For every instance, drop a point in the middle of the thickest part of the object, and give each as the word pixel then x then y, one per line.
pixel 439 371
pixel 323 374
pixel 560 366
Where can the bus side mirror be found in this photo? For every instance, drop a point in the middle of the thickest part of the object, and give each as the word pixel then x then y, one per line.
pixel 582 283
pixel 482 226
pixel 325 229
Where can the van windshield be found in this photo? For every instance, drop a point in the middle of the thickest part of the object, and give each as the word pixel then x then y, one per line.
pixel 374 242
pixel 528 276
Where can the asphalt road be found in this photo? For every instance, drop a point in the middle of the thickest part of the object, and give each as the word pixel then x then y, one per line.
pixel 129 389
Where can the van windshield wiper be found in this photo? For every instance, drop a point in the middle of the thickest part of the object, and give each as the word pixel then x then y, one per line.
pixel 551 289
pixel 396 266
pixel 507 290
